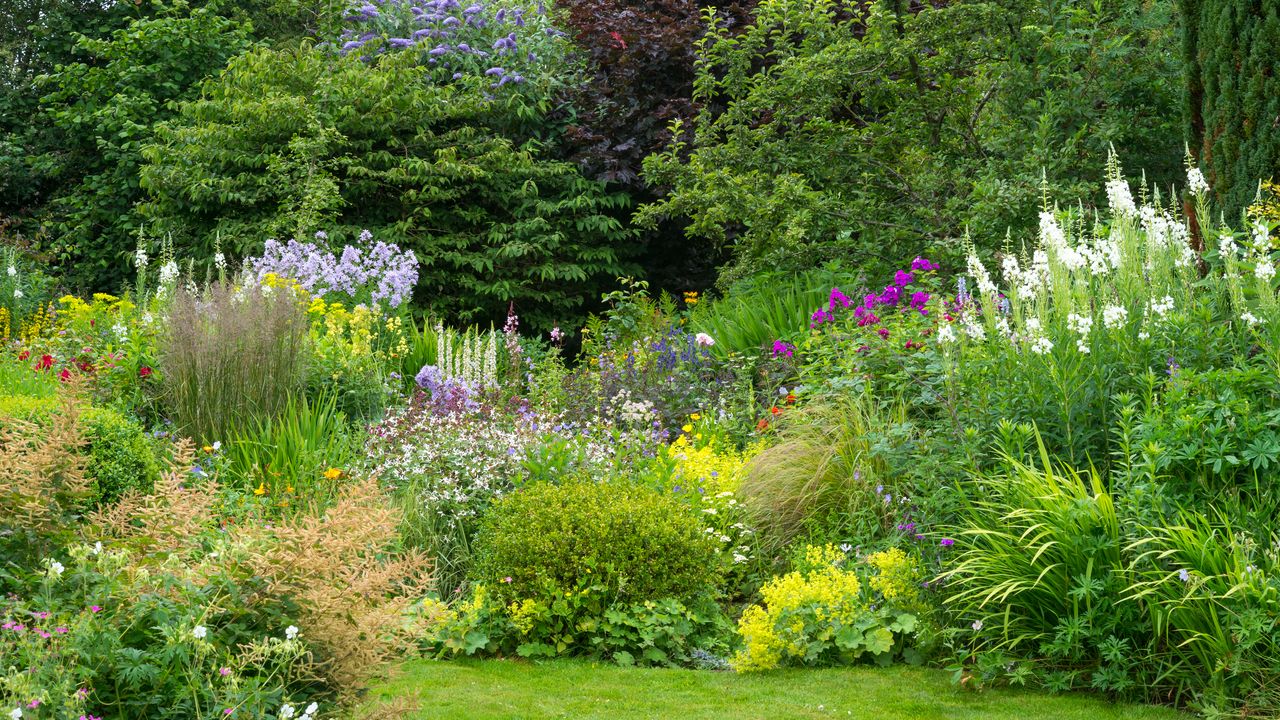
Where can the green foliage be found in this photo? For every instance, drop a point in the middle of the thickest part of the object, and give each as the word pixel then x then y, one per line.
pixel 1041 569
pixel 921 115
pixel 107 103
pixel 1231 48
pixel 586 622
pixel 287 142
pixel 121 456
pixel 286 456
pixel 634 542
pixel 821 477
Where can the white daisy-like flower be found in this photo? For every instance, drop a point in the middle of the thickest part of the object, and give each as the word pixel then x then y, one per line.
pixel 199 632
pixel 291 632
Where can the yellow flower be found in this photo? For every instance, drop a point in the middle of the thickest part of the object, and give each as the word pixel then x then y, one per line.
pixel 207 448
pixel 687 428
pixel 288 488
pixel 332 474
pixel 261 489
pixel 695 417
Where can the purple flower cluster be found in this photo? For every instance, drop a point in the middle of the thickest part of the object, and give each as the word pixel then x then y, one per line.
pixel 447 395
pixel 782 349
pixel 457 40
pixel 891 297
pixel 374 272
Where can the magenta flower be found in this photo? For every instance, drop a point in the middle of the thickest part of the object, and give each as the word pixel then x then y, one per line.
pixel 95 608
pixel 947 542
pixel 919 300
pixel 923 265
pixel 781 349
pixel 902 278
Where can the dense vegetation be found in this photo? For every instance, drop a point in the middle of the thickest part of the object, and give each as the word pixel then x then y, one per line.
pixel 791 334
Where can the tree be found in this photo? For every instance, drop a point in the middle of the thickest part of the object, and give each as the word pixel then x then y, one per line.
pixel 287 143
pixel 1232 54
pixel 106 104
pixel 866 131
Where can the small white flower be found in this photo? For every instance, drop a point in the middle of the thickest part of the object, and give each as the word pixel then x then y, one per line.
pixel 312 708
pixel 199 632
pixel 946 334
pixel 12 271
pixel 217 445
pixel 168 273
pixel 286 711
pixel 97 548
pixel 121 331
pixel 55 568
pixel 17 293
pixel 977 625
pixel 15 713
pixel 291 632
pixel 704 340
pixel 1144 335
pixel 1041 345
pixel 220 261
pixel 1249 318
pixel 1161 308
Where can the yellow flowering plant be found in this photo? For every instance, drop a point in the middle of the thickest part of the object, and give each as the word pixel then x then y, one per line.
pixel 821 613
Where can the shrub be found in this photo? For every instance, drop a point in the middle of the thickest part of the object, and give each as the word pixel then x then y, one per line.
pixel 119 456
pixel 820 614
pixel 634 542
pixel 230 359
pixel 43 486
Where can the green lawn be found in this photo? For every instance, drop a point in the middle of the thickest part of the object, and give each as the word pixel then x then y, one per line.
pixel 568 689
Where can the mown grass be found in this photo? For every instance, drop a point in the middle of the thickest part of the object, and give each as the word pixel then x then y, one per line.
pixel 581 690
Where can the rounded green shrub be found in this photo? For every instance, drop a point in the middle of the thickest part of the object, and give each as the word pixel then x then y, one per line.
pixel 120 455
pixel 640 543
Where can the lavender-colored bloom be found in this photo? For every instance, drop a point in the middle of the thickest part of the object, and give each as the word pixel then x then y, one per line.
pixel 400 42
pixel 495 71
pixel 1184 575
pixel 439 50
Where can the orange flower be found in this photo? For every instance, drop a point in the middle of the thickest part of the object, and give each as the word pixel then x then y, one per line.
pixel 775 409
pixel 762 425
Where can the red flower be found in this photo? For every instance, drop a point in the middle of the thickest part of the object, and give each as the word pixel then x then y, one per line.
pixel 620 43
pixel 144 372
pixel 45 362
pixel 24 355
pixel 65 375
pixel 775 409
pixel 791 398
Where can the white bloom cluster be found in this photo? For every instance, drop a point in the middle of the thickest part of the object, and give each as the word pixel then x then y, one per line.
pixel 220 261
pixel 1114 316
pixel 1249 318
pixel 12 271
pixel 1196 182
pixel 1083 325
pixel 1050 232
pixel 1041 345
pixel 287 711
pixel 169 273
pixel 1119 197
pixel 1265 269
pixel 981 276
pixel 1162 307
pixel 946 335
pixel 140 258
